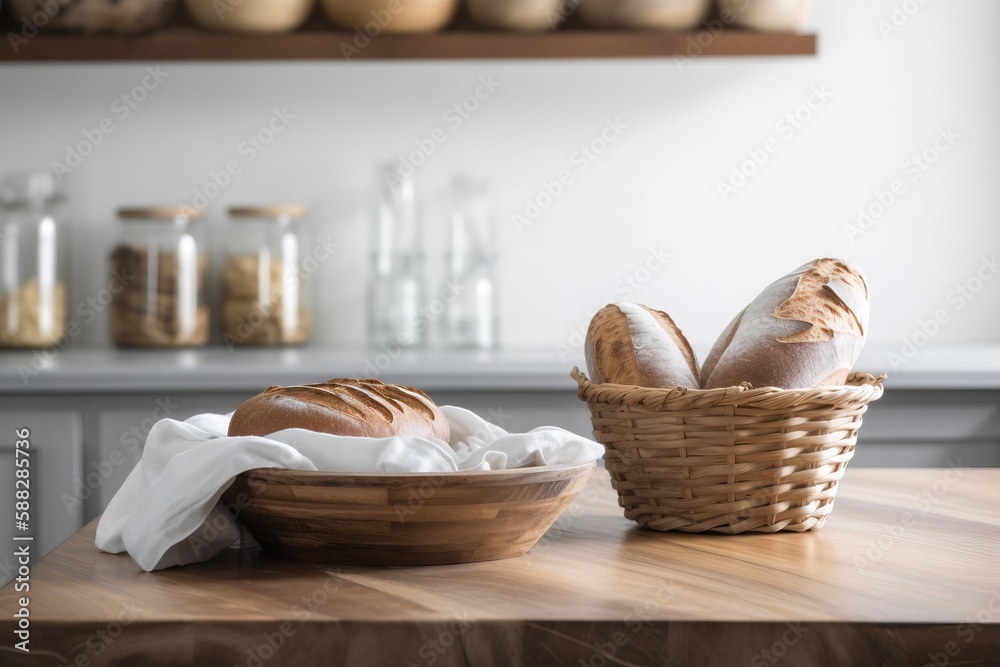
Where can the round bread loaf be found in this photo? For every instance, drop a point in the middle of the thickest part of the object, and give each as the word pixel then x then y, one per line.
pixel 644 14
pixel 767 15
pixel 805 330
pixel 628 343
pixel 342 406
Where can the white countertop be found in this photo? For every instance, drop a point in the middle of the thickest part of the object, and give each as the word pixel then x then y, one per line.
pixel 218 369
pixel 107 370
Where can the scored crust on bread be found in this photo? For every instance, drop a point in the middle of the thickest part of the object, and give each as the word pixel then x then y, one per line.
pixel 632 344
pixel 342 406
pixel 804 330
pixel 832 298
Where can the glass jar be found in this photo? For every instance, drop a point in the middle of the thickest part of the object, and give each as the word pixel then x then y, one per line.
pixel 264 298
pixel 158 279
pixel 33 254
pixel 396 287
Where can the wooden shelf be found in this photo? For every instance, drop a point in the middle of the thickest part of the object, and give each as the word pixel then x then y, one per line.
pixel 190 44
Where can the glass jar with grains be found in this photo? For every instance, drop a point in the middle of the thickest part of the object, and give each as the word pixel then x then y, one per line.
pixel 160 265
pixel 264 296
pixel 33 251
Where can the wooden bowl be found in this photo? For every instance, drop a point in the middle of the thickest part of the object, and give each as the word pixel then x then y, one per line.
pixel 403 519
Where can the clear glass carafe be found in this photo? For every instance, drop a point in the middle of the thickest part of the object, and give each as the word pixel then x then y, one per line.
pixel 469 291
pixel 396 287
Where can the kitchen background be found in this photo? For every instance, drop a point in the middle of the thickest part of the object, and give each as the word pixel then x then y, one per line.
pixel 705 180
pixel 879 97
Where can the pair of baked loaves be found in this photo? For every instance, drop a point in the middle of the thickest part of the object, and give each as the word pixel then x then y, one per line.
pixel 805 330
pixel 343 406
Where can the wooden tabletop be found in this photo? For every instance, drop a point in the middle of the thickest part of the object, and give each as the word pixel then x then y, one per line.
pixel 905 572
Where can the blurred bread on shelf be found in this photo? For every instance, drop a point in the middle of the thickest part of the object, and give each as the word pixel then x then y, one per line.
pixel 391 16
pixel 518 15
pixel 645 14
pixel 123 16
pixel 250 16
pixel 768 15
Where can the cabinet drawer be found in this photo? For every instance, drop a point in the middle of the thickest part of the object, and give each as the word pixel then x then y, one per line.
pixel 56 464
pixel 931 422
pixel 941 454
pixel 121 439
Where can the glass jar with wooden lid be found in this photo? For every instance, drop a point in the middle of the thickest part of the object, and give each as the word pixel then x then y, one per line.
pixel 158 279
pixel 33 261
pixel 265 300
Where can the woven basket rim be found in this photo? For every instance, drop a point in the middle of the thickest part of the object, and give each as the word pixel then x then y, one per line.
pixel 860 387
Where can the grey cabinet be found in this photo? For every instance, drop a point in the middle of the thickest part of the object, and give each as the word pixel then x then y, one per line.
pixel 924 428
pixel 56 478
pixel 82 449
pixel 121 434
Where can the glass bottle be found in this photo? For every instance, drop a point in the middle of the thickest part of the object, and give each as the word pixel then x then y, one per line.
pixel 396 288
pixel 33 263
pixel 264 296
pixel 469 291
pixel 158 279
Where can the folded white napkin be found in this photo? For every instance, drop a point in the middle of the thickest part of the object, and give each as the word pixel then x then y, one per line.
pixel 166 512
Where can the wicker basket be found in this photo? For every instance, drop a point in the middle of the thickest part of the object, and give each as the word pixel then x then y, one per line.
pixel 732 460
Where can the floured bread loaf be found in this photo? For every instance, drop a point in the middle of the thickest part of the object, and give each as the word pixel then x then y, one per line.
pixel 805 330
pixel 631 344
pixel 343 406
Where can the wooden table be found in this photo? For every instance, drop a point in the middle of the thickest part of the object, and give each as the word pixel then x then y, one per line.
pixel 906 572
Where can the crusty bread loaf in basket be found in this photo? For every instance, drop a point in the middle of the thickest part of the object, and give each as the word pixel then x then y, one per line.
pixel 729 460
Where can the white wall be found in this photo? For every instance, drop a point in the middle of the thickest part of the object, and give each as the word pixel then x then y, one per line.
pixel 688 125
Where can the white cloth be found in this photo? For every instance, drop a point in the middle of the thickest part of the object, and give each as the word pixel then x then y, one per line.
pixel 166 512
